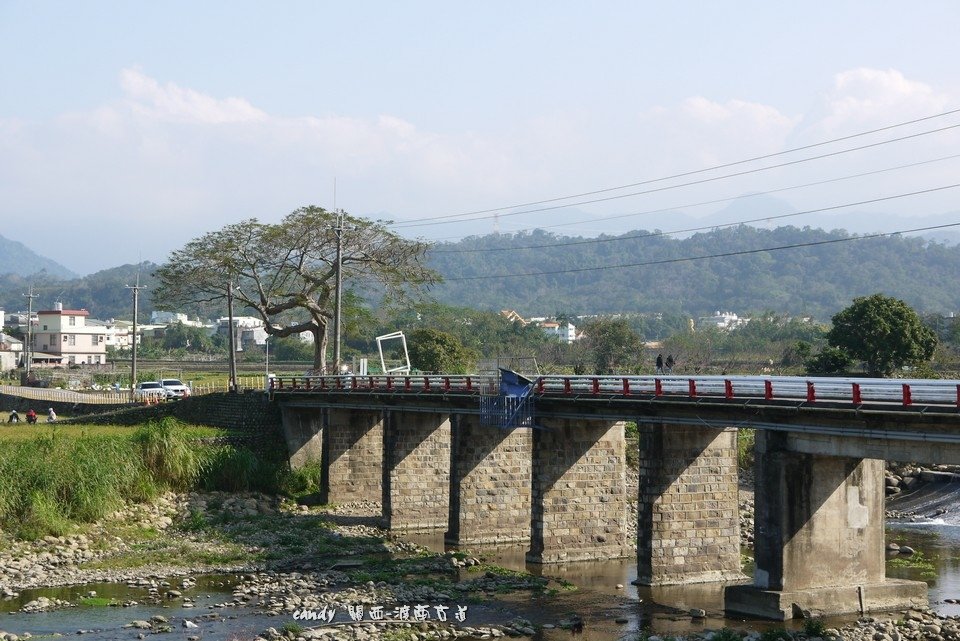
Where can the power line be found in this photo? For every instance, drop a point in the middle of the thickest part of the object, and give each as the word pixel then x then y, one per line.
pixel 692 172
pixel 684 259
pixel 690 183
pixel 712 202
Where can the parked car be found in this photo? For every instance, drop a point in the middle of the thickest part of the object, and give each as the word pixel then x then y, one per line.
pixel 175 388
pixel 150 390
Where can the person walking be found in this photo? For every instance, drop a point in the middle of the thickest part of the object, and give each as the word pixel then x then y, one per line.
pixel 670 363
pixel 659 363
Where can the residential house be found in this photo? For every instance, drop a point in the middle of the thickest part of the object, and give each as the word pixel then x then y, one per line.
pixel 64 337
pixel 249 330
pixel 11 351
pixel 566 332
pixel 513 316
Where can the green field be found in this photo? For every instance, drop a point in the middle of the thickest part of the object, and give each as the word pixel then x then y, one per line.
pixel 23 432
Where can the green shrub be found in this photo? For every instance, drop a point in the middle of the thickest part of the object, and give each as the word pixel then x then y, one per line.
pixel 814 627
pixel 303 480
pixel 726 634
pixel 231 469
pixel 775 634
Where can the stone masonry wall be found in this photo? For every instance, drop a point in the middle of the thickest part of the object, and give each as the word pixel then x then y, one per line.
pixel 354 455
pixel 688 524
pixel 416 493
pixel 490 483
pixel 579 491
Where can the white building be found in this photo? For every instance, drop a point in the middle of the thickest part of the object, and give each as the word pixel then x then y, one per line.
pixel 722 320
pixel 249 330
pixel 566 332
pixel 117 333
pixel 64 335
pixel 172 318
pixel 11 351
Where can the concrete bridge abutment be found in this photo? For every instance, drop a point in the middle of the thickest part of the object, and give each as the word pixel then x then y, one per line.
pixel 489 483
pixel 819 537
pixel 688 511
pixel 416 471
pixel 578 491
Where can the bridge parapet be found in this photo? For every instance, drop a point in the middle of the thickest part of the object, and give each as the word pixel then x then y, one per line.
pixel 940 395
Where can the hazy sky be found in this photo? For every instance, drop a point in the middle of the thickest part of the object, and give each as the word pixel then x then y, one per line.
pixel 128 128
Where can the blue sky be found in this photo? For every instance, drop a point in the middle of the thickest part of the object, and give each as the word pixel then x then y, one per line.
pixel 128 128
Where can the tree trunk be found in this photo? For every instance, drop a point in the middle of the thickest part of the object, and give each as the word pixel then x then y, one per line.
pixel 320 347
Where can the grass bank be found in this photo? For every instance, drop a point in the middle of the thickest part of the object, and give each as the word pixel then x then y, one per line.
pixel 60 475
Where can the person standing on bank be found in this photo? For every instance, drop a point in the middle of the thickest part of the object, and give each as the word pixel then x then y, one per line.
pixel 659 363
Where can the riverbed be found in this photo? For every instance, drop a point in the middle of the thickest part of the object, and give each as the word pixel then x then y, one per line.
pixel 162 566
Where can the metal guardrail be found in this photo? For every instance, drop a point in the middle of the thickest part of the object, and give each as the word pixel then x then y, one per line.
pixel 856 391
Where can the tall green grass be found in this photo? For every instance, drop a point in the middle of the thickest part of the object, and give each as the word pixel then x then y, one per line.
pixel 53 481
pixel 168 453
pixel 50 482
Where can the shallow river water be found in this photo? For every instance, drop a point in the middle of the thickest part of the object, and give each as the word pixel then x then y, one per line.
pixel 611 606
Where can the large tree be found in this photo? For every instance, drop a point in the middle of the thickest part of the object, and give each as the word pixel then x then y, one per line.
pixel 286 272
pixel 615 345
pixel 883 332
pixel 432 350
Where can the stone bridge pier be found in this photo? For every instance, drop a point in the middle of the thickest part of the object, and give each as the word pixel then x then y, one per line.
pixel 353 455
pixel 490 483
pixel 689 519
pixel 819 535
pixel 416 470
pixel 578 491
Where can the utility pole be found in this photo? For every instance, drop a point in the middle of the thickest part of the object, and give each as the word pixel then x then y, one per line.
pixel 133 360
pixel 233 339
pixel 28 344
pixel 339 296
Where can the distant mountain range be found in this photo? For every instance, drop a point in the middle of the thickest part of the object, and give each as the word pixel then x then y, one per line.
pixel 17 258
pixel 745 269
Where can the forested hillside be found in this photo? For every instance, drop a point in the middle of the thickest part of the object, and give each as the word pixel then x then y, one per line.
pixel 636 272
pixel 104 294
pixel 646 272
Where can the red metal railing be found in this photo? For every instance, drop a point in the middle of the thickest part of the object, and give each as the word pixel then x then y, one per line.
pixel 856 391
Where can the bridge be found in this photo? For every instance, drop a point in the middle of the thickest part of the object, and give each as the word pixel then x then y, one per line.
pixel 429 449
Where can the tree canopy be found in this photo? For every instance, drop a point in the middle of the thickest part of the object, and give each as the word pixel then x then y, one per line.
pixel 432 350
pixel 883 332
pixel 285 273
pixel 613 343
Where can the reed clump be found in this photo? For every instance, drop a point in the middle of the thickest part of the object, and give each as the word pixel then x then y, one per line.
pixel 51 482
